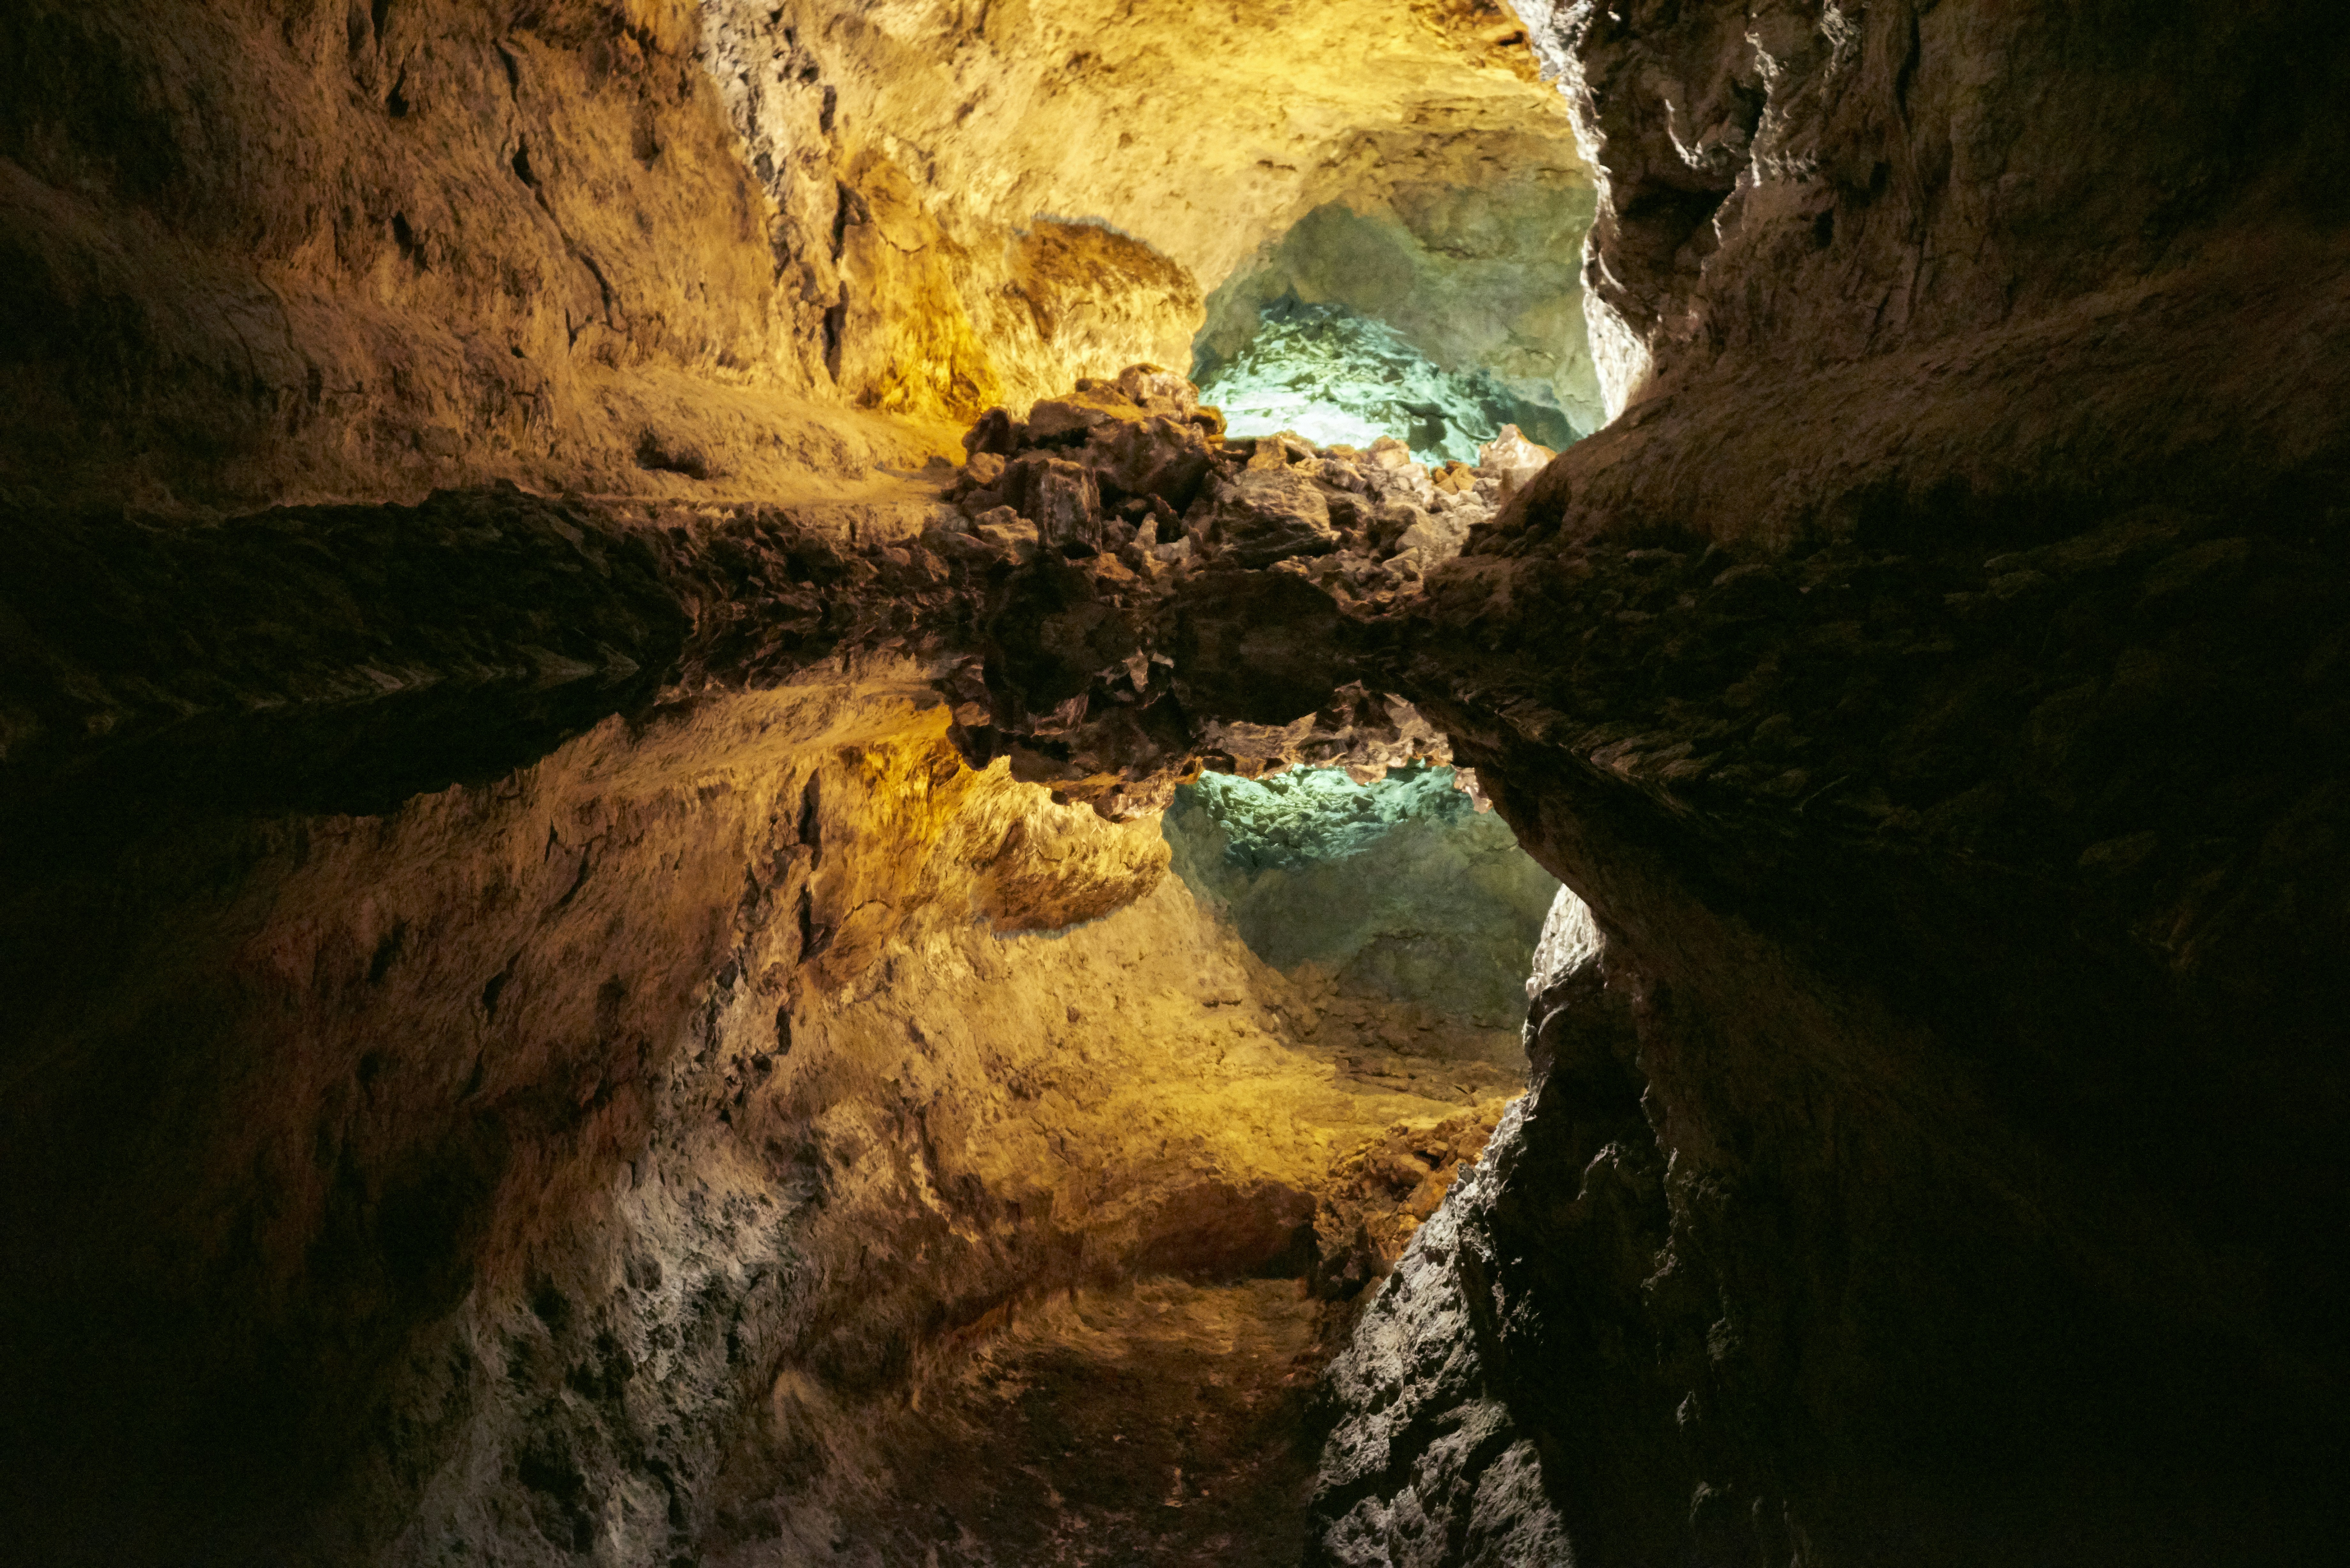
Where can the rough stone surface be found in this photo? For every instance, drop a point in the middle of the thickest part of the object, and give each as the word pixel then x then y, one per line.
pixel 261 254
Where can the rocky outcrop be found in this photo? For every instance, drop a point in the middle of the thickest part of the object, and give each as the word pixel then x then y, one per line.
pixel 1462 1431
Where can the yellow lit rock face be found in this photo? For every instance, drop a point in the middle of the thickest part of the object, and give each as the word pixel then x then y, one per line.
pixel 653 248
pixel 1202 134
pixel 365 250
pixel 1198 129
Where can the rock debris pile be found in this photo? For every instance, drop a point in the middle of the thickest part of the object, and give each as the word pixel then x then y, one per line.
pixel 1122 532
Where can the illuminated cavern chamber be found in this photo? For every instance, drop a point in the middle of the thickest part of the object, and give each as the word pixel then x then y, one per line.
pixel 1436 318
pixel 1341 379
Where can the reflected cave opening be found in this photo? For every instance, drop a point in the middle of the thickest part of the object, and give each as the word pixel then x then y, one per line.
pixel 1356 944
pixel 1403 892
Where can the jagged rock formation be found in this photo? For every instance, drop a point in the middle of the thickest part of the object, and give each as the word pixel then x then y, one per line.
pixel 1460 1406
pixel 1341 379
pixel 1189 596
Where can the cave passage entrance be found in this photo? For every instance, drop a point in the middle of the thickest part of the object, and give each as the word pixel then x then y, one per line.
pixel 1437 317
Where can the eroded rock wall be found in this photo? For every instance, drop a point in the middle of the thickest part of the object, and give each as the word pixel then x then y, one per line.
pixel 1930 681
pixel 279 254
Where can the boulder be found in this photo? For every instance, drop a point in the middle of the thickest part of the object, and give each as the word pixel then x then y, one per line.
pixel 1155 456
pixel 1513 459
pixel 1008 531
pixel 995 431
pixel 1061 497
pixel 1393 519
pixel 1392 476
pixel 1060 421
pixel 1270 514
pixel 1159 391
pixel 1436 538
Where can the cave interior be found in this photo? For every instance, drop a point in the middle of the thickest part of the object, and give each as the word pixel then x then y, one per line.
pixel 1487 784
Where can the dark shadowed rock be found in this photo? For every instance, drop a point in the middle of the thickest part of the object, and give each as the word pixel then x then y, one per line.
pixel 1060 497
pixel 1157 456
pixel 1261 647
pixel 1269 514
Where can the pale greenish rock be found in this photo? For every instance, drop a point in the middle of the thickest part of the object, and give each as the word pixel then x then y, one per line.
pixel 1402 888
pixel 1341 379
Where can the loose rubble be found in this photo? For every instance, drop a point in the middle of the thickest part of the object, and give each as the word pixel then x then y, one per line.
pixel 1124 528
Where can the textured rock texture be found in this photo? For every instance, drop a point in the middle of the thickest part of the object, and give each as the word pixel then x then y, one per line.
pixel 1338 377
pixel 1458 1404
pixel 1178 598
pixel 264 252
pixel 1202 135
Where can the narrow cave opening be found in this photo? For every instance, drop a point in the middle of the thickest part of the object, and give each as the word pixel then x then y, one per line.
pixel 1399 905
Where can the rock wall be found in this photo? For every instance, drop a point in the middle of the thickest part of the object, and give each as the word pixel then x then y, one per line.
pixel 1459 1430
pixel 1928 682
pixel 283 254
